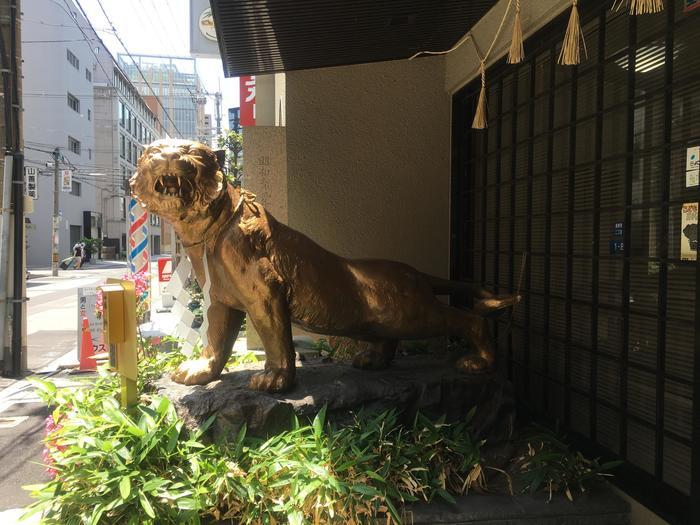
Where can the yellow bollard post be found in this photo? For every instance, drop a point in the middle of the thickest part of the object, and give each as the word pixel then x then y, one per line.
pixel 119 318
pixel 127 358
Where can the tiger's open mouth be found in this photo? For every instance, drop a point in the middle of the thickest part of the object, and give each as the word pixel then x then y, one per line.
pixel 173 185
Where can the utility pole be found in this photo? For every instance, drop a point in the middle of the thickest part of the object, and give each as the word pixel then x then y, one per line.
pixel 54 225
pixel 13 306
pixel 217 97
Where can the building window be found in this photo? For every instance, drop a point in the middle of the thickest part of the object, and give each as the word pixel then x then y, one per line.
pixel 121 113
pixel 125 179
pixel 89 153
pixel 122 148
pixel 122 207
pixel 72 59
pixel 127 117
pixel 580 181
pixel 75 188
pixel 128 150
pixel 89 114
pixel 88 75
pixel 73 103
pixel 74 145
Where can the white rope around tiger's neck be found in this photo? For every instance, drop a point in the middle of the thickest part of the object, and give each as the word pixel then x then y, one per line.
pixel 207 300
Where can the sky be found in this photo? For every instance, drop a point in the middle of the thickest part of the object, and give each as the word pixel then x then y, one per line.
pixel 160 27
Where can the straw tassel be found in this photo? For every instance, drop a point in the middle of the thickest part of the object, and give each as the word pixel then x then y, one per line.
pixel 479 121
pixel 570 50
pixel 516 52
pixel 641 7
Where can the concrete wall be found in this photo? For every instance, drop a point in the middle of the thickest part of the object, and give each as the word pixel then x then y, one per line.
pixel 368 160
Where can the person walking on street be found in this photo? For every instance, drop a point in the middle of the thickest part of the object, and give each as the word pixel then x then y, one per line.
pixel 78 250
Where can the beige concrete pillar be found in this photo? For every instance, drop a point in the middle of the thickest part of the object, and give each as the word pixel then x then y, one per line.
pixel 265 174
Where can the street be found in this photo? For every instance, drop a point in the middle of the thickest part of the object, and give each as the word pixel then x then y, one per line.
pixel 51 341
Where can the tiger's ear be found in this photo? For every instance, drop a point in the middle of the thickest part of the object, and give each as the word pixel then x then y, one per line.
pixel 220 157
pixel 210 182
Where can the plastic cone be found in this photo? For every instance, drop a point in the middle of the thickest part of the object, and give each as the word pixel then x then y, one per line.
pixel 87 352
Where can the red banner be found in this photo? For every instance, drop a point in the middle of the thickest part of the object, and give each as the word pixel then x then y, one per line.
pixel 165 269
pixel 247 96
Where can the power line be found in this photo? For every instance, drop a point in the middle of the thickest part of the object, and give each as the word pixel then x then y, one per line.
pixel 170 10
pixel 63 95
pixel 99 63
pixel 101 30
pixel 52 41
pixel 160 23
pixel 126 50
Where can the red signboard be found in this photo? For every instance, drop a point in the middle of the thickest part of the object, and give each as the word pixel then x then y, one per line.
pixel 165 269
pixel 247 96
pixel 691 5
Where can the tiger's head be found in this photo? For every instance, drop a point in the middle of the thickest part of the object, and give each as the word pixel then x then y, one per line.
pixel 177 178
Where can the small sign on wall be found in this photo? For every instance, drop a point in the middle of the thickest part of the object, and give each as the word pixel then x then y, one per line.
pixel 617 245
pixel 689 231
pixel 692 166
pixel 87 308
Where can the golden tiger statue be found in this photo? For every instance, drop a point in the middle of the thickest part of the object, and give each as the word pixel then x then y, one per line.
pixel 279 276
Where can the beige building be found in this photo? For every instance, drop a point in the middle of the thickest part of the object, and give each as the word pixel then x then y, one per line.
pixel 579 194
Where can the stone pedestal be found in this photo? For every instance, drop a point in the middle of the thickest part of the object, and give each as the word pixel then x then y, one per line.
pixel 599 506
pixel 413 383
pixel 410 384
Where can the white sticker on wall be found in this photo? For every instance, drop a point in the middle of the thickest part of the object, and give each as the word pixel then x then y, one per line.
pixel 692 166
pixel 689 231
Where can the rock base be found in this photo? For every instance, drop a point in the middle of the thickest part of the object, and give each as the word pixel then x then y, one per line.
pixel 412 383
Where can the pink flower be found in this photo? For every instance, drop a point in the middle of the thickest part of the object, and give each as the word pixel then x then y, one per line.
pixel 52 428
pixel 142 283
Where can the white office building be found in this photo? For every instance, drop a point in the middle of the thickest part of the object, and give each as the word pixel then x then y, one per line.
pixel 59 64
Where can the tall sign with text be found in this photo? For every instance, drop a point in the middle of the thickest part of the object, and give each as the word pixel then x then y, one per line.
pixel 247 95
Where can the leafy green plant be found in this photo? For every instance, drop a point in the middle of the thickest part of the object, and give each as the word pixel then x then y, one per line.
pixel 549 464
pixel 321 474
pixel 144 466
pixel 117 467
pixel 237 360
pixel 91 245
pixel 232 142
pixel 322 347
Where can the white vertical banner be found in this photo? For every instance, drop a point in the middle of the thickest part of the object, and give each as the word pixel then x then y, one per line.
pixel 31 182
pixel 66 180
